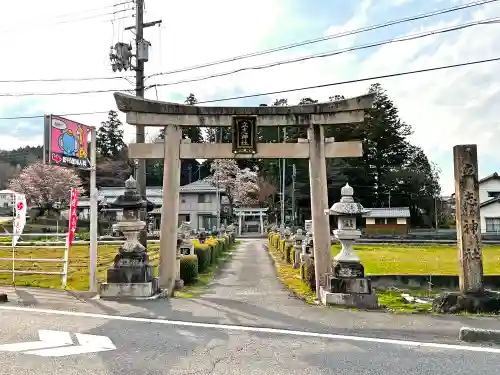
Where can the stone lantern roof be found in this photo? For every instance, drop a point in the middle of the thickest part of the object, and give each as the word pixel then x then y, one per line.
pixel 346 206
pixel 131 198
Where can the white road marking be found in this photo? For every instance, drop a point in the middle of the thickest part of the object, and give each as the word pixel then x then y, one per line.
pixel 87 344
pixel 60 344
pixel 48 339
pixel 277 331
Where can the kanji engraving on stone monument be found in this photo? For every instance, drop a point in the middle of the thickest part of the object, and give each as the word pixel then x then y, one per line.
pixel 468 218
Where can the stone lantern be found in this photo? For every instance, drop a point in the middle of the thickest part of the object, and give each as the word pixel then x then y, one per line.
pixel 132 275
pixel 346 284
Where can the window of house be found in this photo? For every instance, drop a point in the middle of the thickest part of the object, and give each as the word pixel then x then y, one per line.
pixel 492 224
pixel 379 220
pixel 493 194
pixel 392 220
pixel 204 198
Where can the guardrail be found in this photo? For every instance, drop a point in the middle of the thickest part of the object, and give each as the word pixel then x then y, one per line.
pixel 35 244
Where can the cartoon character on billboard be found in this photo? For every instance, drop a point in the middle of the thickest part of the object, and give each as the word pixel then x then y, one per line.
pixel 71 144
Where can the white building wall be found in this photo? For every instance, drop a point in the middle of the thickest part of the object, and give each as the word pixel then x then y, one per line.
pixel 489 211
pixel 492 185
pixel 189 205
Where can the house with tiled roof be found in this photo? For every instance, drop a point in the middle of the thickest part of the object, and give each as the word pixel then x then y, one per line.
pixel 489 203
pixel 199 203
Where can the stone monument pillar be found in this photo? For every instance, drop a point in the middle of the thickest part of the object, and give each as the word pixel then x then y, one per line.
pixel 472 297
pixel 346 283
pixel 131 276
pixel 468 218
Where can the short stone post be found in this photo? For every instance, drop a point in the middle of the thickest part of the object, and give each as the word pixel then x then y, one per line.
pixel 282 232
pixel 179 283
pixel 297 247
pixel 346 283
pixel 307 247
pixel 202 235
pixel 131 276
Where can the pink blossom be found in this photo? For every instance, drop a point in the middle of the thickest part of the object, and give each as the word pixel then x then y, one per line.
pixel 239 184
pixel 42 183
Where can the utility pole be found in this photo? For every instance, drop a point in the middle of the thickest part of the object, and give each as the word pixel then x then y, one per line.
pixel 436 214
pixel 283 171
pixel 217 197
pixel 190 171
pixel 122 60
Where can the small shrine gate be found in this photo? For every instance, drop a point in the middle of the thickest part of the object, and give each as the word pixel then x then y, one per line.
pixel 244 122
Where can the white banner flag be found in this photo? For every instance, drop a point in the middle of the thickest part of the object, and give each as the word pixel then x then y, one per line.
pixel 20 219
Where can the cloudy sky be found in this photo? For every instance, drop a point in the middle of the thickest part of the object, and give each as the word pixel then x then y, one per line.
pixel 70 39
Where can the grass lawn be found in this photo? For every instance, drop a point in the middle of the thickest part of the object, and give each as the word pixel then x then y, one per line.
pixel 204 279
pixel 78 268
pixel 399 259
pixel 392 260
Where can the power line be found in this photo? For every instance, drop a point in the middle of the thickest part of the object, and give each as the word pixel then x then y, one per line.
pixel 335 52
pixel 67 79
pixel 74 20
pixel 329 37
pixel 269 65
pixel 355 80
pixel 92 10
pixel 279 91
pixel 62 115
pixel 61 93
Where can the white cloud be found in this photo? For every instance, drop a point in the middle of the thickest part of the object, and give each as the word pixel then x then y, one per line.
pixel 445 108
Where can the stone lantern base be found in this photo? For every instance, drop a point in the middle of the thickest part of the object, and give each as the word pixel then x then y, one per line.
pixel 347 285
pixel 132 277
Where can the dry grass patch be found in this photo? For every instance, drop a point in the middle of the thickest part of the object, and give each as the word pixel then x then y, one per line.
pixel 78 267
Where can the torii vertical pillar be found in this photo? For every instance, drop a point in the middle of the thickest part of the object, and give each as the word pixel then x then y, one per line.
pixel 319 200
pixel 170 207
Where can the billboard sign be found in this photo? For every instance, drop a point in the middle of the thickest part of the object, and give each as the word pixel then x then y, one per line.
pixel 66 142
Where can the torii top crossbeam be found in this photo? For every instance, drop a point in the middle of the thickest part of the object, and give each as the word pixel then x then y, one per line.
pixel 139 112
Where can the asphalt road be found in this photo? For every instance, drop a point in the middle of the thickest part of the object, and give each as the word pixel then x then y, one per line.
pixel 245 324
pixel 158 348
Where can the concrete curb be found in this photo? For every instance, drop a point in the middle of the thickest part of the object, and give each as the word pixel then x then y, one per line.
pixel 468 334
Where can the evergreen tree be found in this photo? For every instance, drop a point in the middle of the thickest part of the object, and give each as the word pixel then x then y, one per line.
pixel 109 139
pixel 189 167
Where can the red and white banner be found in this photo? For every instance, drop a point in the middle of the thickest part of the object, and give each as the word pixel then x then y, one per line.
pixel 20 219
pixel 72 216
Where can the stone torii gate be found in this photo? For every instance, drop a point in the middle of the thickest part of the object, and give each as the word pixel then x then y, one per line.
pixel 244 122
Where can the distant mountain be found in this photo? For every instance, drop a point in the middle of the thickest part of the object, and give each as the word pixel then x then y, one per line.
pixel 22 156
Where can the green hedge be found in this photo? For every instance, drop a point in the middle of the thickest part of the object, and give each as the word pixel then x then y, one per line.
pixel 206 255
pixel 189 269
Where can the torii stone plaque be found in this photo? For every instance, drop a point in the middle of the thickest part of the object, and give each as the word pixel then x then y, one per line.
pixel 244 122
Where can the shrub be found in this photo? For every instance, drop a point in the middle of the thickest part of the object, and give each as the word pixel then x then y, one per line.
pixel 189 268
pixel 203 252
pixel 309 273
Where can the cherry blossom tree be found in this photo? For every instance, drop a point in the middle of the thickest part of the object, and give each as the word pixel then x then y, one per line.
pixel 240 185
pixel 44 185
pixel 247 187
